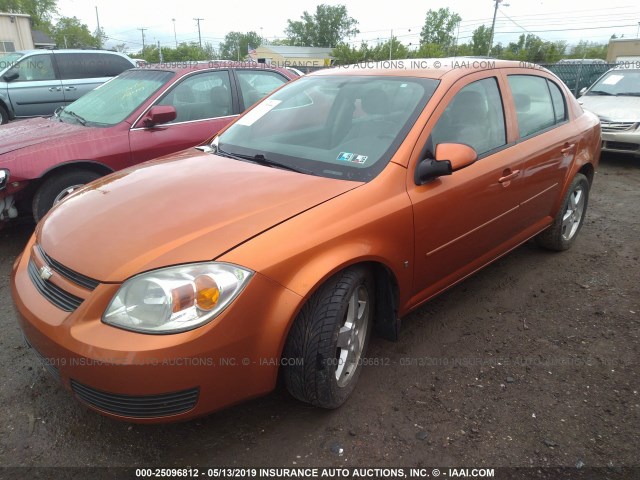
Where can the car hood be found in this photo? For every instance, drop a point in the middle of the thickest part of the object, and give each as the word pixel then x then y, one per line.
pixel 26 133
pixel 188 208
pixel 617 109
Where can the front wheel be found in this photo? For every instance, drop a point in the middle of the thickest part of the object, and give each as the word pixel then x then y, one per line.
pixel 568 221
pixel 327 342
pixel 57 188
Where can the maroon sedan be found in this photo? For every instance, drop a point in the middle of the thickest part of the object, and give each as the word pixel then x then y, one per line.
pixel 141 114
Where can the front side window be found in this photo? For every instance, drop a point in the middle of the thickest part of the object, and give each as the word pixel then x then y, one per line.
pixel 34 68
pixel 335 126
pixel 534 107
pixel 201 96
pixel 474 117
pixel 115 100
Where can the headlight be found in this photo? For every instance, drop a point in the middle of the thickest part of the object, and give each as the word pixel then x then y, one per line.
pixel 176 299
pixel 4 177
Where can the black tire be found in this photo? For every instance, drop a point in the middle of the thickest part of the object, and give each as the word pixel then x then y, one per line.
pixel 46 195
pixel 562 233
pixel 4 115
pixel 311 351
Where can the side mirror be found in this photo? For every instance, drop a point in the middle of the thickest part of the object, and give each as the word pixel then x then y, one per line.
pixel 583 90
pixel 158 115
pixel 10 76
pixel 449 158
pixel 458 154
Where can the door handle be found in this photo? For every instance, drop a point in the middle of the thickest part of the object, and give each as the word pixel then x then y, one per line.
pixel 567 148
pixel 68 89
pixel 55 89
pixel 509 176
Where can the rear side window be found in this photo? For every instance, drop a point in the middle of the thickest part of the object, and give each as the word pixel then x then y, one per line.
pixel 255 84
pixel 557 98
pixel 90 65
pixel 534 106
pixel 474 117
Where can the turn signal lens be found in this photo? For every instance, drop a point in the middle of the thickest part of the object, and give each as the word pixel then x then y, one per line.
pixel 207 292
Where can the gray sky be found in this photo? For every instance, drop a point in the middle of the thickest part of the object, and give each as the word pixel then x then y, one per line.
pixel 571 20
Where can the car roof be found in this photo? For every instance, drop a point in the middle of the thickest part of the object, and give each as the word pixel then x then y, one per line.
pixel 184 67
pixel 69 50
pixel 427 67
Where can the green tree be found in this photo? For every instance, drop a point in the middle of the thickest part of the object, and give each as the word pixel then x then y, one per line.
pixel 236 45
pixel 41 11
pixel 391 49
pixel 587 49
pixel 345 54
pixel 70 32
pixel 185 52
pixel 480 39
pixel 439 28
pixel 327 27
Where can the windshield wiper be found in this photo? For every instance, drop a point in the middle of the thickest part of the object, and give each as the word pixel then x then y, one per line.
pixel 81 120
pixel 260 159
pixel 599 92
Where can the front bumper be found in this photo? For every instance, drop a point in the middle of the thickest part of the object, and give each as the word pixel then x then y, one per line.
pixel 621 142
pixel 156 378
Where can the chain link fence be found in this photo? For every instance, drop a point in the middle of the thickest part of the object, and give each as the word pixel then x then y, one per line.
pixel 578 75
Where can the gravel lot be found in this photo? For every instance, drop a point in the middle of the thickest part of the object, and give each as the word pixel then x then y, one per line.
pixel 531 362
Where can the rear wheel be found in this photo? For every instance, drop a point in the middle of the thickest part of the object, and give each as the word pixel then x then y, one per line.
pixel 57 188
pixel 327 342
pixel 4 115
pixel 565 227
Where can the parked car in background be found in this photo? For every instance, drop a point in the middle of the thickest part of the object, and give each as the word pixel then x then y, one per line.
pixel 141 114
pixel 615 99
pixel 337 205
pixel 33 83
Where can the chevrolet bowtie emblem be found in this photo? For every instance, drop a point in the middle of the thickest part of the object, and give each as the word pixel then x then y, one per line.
pixel 45 273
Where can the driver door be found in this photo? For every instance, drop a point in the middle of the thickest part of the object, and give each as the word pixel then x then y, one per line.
pixel 465 219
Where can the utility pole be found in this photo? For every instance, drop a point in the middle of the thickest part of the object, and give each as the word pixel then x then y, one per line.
pixel 493 26
pixel 99 29
pixel 199 36
pixel 160 52
pixel 175 37
pixel 391 44
pixel 142 30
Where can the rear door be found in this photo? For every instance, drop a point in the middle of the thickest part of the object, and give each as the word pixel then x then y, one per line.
pixel 548 142
pixel 37 90
pixel 81 72
pixel 205 102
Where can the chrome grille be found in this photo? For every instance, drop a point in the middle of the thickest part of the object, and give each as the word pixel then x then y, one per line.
pixel 75 277
pixel 608 126
pixel 142 406
pixel 61 299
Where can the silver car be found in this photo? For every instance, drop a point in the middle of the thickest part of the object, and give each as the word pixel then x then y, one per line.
pixel 33 83
pixel 615 98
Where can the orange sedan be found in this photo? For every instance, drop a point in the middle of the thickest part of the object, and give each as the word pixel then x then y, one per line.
pixel 329 211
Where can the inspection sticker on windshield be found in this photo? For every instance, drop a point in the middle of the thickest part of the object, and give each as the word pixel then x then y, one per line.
pixel 257 113
pixel 352 157
pixel 613 79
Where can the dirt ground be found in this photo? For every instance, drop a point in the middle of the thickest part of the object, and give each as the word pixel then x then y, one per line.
pixel 531 362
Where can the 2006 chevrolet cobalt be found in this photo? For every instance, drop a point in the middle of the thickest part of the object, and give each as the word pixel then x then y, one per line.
pixel 328 211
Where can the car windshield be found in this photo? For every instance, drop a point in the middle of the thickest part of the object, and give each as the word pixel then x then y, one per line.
pixel 334 126
pixel 116 99
pixel 617 82
pixel 8 60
